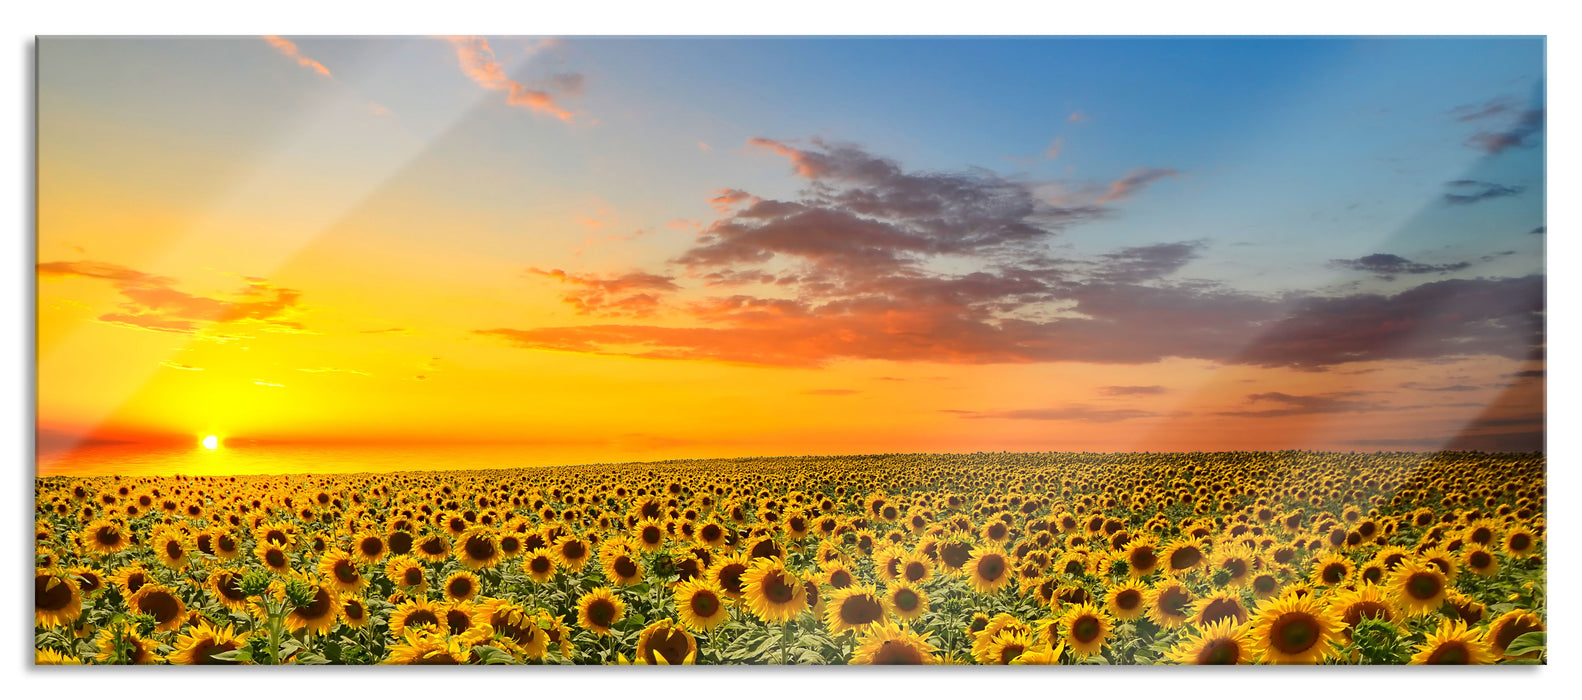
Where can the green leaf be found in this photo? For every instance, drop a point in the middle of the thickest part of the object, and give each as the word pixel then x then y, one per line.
pixel 308 658
pixel 1532 641
pixel 493 655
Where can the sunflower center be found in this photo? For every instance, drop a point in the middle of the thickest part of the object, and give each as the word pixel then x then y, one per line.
pixel 955 554
pixel 228 586
pixel 705 604
pixel 480 548
pixel 861 610
pixel 765 549
pixel 1219 652
pixel 1264 583
pixel 1294 632
pixel 1009 652
pixel 1450 653
pixel 1334 573
pixel 433 546
pixel 1223 608
pixel 345 572
pixel 574 550
pixel 906 600
pixel 275 537
pixel 897 653
pixel 731 578
pixel 539 565
pixel 50 597
pixel 461 587
pixel 320 606
pixel 436 658
pixel 412 576
pixel 371 547
pixel 1520 542
pixel 1128 599
pixel 1236 567
pixel 991 567
pixel 421 616
pixel 107 536
pixel 1185 558
pixel 275 558
pixel 915 571
pixel 776 589
pixel 173 550
pixel 652 534
pixel 1173 601
pixel 400 542
pixel 839 578
pixel 624 567
pixel 354 610
pixel 1085 629
pixel 162 606
pixel 1480 560
pixel 457 620
pixel 1423 586
pixel 671 644
pixel 1143 558
pixel 601 613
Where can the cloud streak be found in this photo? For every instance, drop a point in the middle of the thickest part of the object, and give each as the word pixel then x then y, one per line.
pixel 152 303
pixel 290 50
pixel 478 62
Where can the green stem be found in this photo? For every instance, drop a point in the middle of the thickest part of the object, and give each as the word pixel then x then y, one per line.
pixel 785 641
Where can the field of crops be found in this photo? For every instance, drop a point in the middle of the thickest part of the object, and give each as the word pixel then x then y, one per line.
pixel 1226 558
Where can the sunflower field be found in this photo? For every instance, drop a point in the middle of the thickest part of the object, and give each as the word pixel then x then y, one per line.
pixel 994 559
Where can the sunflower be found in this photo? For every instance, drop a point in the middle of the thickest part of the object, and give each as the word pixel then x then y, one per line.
pixel 433 547
pixel 429 649
pixel 889 644
pixel 1238 561
pixel 905 602
pixel 354 613
pixel 1418 588
pixel 318 616
pixel 989 568
pixel 129 579
pixel 1127 601
pixel 123 645
pixel 1008 645
pixel 726 574
pixel 1506 628
pixel 416 613
pixel 1479 561
pixel 1294 630
pixel 1168 603
pixel 406 573
pixel 273 556
pixel 105 536
pixel 202 643
pixel 598 609
pixel 478 548
pixel 50 657
pixel 160 603
pixel 1367 601
pixel 887 562
pixel 1086 629
pixel 853 608
pixel 666 643
pixel 1332 570
pixel 650 536
pixel 89 579
pixel 622 567
pixel 571 552
pixel 773 593
pixel 1220 643
pixel 226 585
pixel 1222 604
pixel 1182 557
pixel 171 548
pixel 916 568
pixel 56 598
pixel 1520 542
pixel 369 547
pixel 539 565
pixel 1470 611
pixel 1454 644
pixel 1142 556
pixel 699 604
pixel 340 569
pixel 511 624
pixel 836 575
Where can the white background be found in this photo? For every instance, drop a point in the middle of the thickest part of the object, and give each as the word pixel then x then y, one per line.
pixel 26 18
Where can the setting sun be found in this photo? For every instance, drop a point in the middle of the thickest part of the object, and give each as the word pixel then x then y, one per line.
pixel 211 442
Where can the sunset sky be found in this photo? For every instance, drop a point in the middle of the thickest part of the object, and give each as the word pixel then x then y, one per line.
pixel 657 247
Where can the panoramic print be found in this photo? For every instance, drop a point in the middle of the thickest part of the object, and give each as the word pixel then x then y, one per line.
pixel 790 350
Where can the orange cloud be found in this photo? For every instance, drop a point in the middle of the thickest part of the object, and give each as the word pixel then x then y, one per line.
pixel 153 304
pixel 285 46
pixel 478 62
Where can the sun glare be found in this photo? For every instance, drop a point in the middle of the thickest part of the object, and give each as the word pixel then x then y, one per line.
pixel 211 442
